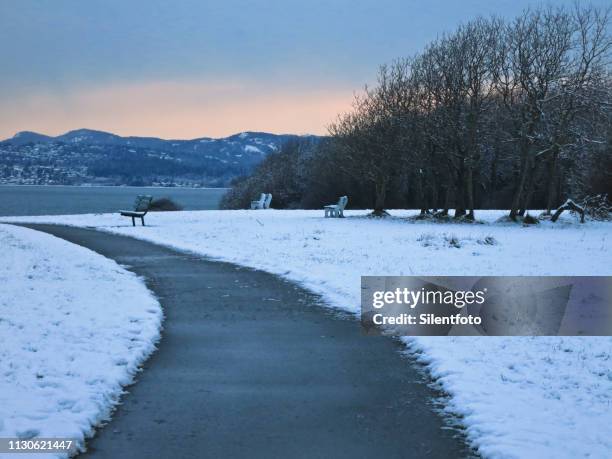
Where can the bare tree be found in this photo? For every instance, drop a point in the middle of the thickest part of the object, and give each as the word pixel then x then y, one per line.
pixel 371 137
pixel 522 105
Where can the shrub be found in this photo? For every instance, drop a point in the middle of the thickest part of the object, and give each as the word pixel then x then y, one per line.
pixel 164 205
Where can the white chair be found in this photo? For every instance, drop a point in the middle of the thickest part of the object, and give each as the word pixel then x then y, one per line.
pixel 260 203
pixel 267 201
pixel 336 210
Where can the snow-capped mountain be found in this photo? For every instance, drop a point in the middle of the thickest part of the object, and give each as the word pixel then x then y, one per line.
pixel 85 156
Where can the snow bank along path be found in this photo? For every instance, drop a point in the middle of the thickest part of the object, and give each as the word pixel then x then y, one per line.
pixel 74 327
pixel 251 365
pixel 519 397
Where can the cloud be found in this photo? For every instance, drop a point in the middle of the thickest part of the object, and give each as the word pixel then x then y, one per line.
pixel 177 108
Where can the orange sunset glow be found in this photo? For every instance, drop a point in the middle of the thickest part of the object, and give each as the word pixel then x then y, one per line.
pixel 177 109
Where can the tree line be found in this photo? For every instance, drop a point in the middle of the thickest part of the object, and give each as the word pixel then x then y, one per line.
pixel 513 114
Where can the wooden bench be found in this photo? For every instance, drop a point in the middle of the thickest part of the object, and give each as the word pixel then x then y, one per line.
pixel 336 210
pixel 141 207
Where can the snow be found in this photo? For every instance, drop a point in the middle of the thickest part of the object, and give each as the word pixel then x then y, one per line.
pixel 251 149
pixel 517 397
pixel 74 327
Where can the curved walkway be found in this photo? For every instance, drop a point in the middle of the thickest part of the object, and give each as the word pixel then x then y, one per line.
pixel 250 365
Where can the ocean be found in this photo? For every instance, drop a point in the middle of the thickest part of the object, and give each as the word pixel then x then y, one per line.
pixel 19 200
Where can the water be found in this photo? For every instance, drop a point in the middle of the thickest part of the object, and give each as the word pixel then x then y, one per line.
pixel 58 200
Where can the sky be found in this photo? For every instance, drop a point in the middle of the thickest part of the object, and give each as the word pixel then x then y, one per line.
pixel 194 68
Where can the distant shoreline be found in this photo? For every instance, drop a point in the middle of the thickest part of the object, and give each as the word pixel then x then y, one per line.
pixel 122 186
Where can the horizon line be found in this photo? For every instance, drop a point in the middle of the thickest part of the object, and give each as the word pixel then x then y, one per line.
pixel 25 131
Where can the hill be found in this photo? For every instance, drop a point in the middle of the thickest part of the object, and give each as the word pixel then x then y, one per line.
pixel 86 156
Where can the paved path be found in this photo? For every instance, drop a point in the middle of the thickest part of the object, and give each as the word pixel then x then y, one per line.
pixel 252 366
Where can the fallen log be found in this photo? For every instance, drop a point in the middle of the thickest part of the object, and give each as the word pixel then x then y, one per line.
pixel 568 205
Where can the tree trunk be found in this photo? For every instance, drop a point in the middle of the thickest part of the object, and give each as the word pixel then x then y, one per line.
pixel 469 192
pixel 447 194
pixel 420 192
pixel 471 159
pixel 518 192
pixel 552 181
pixel 434 192
pixel 446 205
pixel 381 195
pixel 460 187
pixel 494 167
pixel 528 194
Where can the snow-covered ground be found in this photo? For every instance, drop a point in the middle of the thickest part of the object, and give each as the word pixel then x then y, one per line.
pixel 74 326
pixel 519 397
